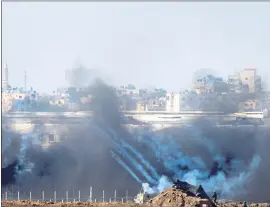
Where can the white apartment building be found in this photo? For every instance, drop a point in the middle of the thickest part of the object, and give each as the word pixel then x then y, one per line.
pixel 184 101
pixel 191 101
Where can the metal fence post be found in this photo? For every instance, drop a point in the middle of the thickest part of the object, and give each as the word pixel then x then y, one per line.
pixel 55 196
pixel 126 195
pixel 18 195
pixel 79 196
pixel 43 198
pixel 30 196
pixel 122 200
pixel 6 195
pixel 90 194
pixel 115 196
pixel 103 196
pixel 67 196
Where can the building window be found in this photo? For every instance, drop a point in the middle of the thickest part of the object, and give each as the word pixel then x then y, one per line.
pixel 51 138
pixel 246 78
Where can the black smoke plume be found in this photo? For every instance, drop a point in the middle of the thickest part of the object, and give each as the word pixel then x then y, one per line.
pixel 104 154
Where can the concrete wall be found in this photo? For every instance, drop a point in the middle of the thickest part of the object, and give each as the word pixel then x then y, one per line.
pixel 147 115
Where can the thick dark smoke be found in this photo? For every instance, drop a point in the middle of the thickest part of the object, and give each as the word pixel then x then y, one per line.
pixel 103 154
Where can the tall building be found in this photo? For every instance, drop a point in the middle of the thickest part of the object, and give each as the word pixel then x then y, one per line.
pixel 5 78
pixel 251 80
pixel 245 81
pixel 234 83
pixel 183 101
pixel 173 102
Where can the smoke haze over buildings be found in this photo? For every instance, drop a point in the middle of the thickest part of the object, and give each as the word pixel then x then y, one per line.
pixel 147 44
pixel 93 155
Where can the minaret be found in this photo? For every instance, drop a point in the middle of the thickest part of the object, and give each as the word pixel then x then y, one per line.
pixel 5 77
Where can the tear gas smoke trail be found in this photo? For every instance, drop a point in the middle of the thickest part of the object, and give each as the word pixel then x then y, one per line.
pixel 158 153
pixel 125 154
pixel 204 161
pixel 197 172
pixel 125 166
pixel 147 164
pixel 27 141
pixel 138 166
pixel 161 152
pixel 5 143
pixel 24 146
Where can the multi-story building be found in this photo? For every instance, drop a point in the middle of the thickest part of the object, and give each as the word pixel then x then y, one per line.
pixel 128 91
pixel 141 106
pixel 13 100
pixel 6 102
pixel 245 81
pixel 157 104
pixel 250 79
pixel 183 101
pixel 191 101
pixel 173 102
pixel 234 83
pixel 210 84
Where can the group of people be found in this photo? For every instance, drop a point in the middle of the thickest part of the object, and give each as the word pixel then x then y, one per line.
pixel 177 185
pixel 214 199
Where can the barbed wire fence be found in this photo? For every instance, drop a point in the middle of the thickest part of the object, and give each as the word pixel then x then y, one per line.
pixel 8 195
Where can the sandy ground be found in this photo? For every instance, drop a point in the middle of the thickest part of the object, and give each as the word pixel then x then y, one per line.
pixel 77 204
pixel 171 197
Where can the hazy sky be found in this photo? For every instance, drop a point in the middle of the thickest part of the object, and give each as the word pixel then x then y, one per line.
pixel 148 44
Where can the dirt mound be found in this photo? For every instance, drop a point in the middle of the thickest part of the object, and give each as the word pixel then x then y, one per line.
pixel 178 197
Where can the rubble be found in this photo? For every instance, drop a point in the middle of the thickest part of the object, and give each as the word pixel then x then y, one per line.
pixel 179 197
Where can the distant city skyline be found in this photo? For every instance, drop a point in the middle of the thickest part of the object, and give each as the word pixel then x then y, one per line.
pixel 146 44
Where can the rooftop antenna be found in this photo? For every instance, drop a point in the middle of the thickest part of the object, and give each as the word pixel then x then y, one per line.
pixel 5 77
